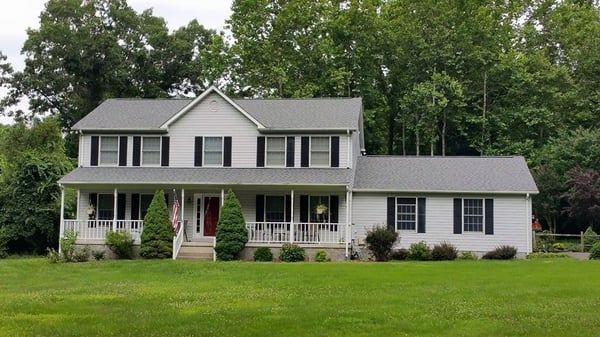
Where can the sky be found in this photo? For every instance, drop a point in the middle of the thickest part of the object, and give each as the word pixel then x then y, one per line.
pixel 20 15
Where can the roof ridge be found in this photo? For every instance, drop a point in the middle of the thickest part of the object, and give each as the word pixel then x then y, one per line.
pixel 294 98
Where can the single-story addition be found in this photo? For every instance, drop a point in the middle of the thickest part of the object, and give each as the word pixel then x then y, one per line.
pixel 300 170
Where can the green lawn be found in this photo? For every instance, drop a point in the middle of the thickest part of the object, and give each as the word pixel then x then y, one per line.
pixel 553 297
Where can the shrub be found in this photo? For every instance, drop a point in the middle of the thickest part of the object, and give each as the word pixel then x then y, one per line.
pixel 501 253
pixel 232 234
pixel 399 254
pixel 53 256
pixel 82 255
pixel 321 256
pixel 467 255
pixel 291 253
pixel 120 243
pixel 590 237
pixel 98 254
pixel 559 246
pixel 444 251
pixel 67 246
pixel 380 240
pixel 534 256
pixel 157 235
pixel 263 254
pixel 419 251
pixel 595 251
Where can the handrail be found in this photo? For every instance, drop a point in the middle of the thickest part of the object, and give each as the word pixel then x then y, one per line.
pixel 177 240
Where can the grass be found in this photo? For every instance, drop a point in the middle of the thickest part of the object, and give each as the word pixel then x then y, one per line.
pixel 546 297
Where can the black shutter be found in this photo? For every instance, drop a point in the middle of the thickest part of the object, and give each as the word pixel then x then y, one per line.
pixel 304 208
pixel 334 205
pixel 288 208
pixel 289 160
pixel 260 208
pixel 198 151
pixel 121 197
pixel 489 216
pixel 164 153
pixel 457 215
pixel 335 151
pixel 304 151
pixel 135 206
pixel 137 143
pixel 227 154
pixel 260 151
pixel 421 215
pixel 391 213
pixel 94 151
pixel 123 151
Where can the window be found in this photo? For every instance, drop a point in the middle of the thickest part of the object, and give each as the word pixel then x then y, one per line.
pixel 319 151
pixel 473 215
pixel 213 151
pixel 406 214
pixel 275 151
pixel 109 150
pixel 106 203
pixel 274 208
pixel 319 208
pixel 150 150
pixel 145 200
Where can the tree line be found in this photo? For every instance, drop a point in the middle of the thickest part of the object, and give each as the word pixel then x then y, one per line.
pixel 449 77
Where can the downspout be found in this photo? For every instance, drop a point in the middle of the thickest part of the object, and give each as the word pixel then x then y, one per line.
pixel 80 149
pixel 348 219
pixel 349 149
pixel 528 223
pixel 62 216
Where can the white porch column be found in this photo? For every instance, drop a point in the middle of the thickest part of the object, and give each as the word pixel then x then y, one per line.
pixel 61 231
pixel 182 204
pixel 114 224
pixel 78 202
pixel 222 197
pixel 348 219
pixel 292 219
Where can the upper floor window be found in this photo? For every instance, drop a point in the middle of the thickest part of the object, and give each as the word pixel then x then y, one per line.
pixel 109 150
pixel 406 214
pixel 319 151
pixel 213 151
pixel 150 150
pixel 275 150
pixel 473 215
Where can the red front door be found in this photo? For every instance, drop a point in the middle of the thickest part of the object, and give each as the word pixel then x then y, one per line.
pixel 211 215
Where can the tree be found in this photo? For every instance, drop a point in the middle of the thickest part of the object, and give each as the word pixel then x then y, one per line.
pixel 584 196
pixel 157 235
pixel 232 234
pixel 32 160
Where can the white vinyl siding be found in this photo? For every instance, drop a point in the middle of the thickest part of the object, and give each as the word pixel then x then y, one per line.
pixel 109 150
pixel 150 151
pixel 275 151
pixel 512 222
pixel 213 151
pixel 319 151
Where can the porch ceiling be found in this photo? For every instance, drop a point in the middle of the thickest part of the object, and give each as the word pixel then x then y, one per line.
pixel 217 177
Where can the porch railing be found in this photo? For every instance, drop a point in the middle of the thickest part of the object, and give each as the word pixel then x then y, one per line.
pixel 281 232
pixel 178 240
pixel 97 229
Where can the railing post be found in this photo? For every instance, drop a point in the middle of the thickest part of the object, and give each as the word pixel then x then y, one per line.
pixel 62 216
pixel 533 240
pixel 582 242
pixel 114 223
pixel 292 218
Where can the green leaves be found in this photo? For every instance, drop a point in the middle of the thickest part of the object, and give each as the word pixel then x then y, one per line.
pixel 157 235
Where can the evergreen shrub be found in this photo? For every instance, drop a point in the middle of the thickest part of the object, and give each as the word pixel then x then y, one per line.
pixel 291 253
pixel 263 254
pixel 157 235
pixel 321 256
pixel 595 251
pixel 232 234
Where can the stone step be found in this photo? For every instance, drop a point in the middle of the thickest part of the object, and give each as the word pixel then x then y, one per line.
pixel 195 252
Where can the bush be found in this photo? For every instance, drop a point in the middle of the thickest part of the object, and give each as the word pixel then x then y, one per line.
pixel 98 254
pixel 534 256
pixel 467 255
pixel 53 255
pixel 82 255
pixel 321 256
pixel 595 251
pixel 157 235
pixel 399 254
pixel 380 241
pixel 232 234
pixel 444 251
pixel 501 253
pixel 590 237
pixel 419 251
pixel 291 253
pixel 263 254
pixel 120 243
pixel 559 247
pixel 67 246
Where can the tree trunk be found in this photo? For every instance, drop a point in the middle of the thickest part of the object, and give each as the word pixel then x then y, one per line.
pixel 443 135
pixel 484 108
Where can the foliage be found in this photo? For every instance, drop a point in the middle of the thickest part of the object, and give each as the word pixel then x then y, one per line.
pixel 590 237
pixel 380 241
pixel 53 255
pixel 467 255
pixel 548 256
pixel 444 251
pixel 157 235
pixel 321 256
pixel 263 254
pixel 81 255
pixel 120 243
pixel 291 252
pixel 232 234
pixel 419 251
pixel 399 254
pixel 98 254
pixel 504 252
pixel 584 195
pixel 67 246
pixel 595 251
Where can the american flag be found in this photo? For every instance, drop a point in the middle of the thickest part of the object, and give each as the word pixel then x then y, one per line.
pixel 175 212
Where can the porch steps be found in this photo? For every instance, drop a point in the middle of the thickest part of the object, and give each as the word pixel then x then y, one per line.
pixel 202 251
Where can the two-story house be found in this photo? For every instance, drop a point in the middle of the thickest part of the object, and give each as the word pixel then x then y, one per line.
pixel 299 169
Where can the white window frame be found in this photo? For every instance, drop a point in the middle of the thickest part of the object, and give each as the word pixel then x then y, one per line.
pixel 310 152
pixel 267 151
pixel 100 163
pixel 416 215
pixel 282 197
pixel 204 151
pixel 159 151
pixel 482 216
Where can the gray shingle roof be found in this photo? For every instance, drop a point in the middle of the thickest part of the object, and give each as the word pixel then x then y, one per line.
pixel 207 176
pixel 131 114
pixel 295 114
pixel 444 174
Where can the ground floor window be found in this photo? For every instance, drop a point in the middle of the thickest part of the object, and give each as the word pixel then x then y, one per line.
pixel 406 214
pixel 319 208
pixel 145 200
pixel 473 215
pixel 106 206
pixel 275 208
